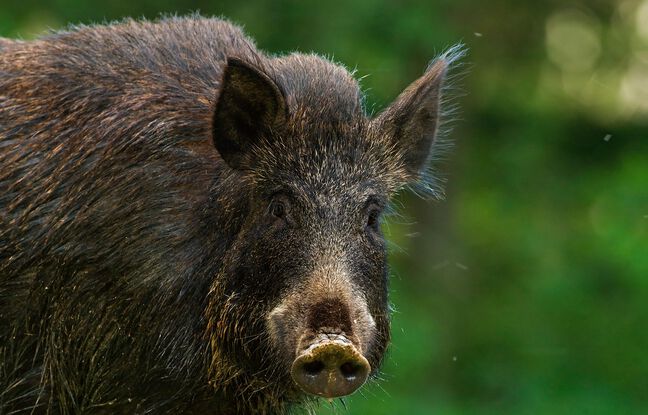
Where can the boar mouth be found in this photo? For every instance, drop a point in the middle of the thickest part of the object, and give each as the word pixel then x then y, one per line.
pixel 330 366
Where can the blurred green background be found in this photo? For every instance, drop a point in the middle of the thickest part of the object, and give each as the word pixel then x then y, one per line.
pixel 526 290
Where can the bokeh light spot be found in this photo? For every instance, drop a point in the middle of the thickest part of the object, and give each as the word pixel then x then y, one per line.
pixel 572 40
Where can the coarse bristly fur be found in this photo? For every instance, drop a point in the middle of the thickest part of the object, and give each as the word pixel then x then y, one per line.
pixel 181 214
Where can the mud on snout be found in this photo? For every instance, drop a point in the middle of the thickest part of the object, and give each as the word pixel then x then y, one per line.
pixel 325 332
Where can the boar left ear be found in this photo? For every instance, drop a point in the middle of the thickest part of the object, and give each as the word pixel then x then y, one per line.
pixel 412 120
pixel 249 106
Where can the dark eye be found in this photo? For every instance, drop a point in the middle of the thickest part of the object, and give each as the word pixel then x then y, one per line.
pixel 373 219
pixel 278 209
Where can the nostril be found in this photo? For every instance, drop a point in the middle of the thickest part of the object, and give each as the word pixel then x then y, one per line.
pixel 313 368
pixel 330 369
pixel 350 369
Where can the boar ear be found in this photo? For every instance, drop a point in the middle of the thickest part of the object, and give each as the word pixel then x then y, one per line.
pixel 250 105
pixel 411 121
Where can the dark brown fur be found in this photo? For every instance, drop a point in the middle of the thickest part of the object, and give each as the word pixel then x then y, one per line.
pixel 132 256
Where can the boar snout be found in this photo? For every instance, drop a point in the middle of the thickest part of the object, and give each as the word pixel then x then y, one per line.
pixel 325 342
pixel 330 367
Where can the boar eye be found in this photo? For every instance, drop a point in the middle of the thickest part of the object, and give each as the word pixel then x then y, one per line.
pixel 373 219
pixel 278 209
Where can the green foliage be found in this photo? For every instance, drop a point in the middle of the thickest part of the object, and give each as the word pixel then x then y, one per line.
pixel 526 291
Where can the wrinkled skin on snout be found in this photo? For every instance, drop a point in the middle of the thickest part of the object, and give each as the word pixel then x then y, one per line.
pixel 310 257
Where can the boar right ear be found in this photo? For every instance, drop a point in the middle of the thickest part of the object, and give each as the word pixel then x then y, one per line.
pixel 250 105
pixel 412 120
